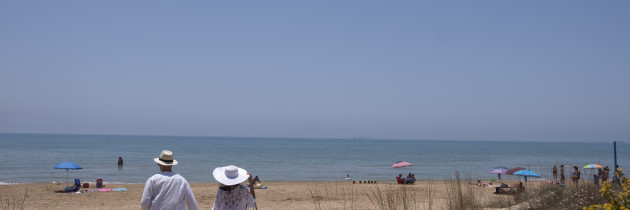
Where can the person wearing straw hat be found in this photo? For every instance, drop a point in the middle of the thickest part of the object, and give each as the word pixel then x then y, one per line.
pixel 167 189
pixel 231 194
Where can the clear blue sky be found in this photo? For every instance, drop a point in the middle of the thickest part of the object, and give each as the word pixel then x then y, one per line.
pixel 458 70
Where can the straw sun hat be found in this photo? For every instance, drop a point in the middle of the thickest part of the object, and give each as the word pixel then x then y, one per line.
pixel 166 159
pixel 230 175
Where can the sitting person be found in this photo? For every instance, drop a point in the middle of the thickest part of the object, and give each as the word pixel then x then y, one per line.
pixel 520 188
pixel 400 179
pixel 504 188
pixel 75 187
pixel 258 184
pixel 412 179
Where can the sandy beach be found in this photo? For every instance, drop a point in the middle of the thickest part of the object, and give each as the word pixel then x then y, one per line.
pixel 278 195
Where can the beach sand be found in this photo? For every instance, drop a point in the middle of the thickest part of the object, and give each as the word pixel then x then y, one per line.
pixel 279 195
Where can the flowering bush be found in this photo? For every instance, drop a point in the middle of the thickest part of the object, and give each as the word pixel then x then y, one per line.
pixel 616 197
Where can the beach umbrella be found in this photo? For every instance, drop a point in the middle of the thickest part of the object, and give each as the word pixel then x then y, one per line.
pixel 512 170
pixel 68 165
pixel 401 164
pixel 526 173
pixel 498 171
pixel 501 167
pixel 592 166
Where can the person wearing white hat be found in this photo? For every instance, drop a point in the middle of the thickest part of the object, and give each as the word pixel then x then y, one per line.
pixel 167 189
pixel 231 194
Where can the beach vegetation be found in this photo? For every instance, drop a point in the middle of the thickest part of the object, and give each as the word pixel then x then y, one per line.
pixel 393 199
pixel 343 196
pixel 551 196
pixel 460 196
pixel 616 196
pixel 385 197
pixel 460 192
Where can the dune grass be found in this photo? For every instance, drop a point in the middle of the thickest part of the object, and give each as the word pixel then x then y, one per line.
pixel 457 193
pixel 557 197
pixel 342 196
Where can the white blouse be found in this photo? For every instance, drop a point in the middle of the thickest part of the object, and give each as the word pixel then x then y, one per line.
pixel 237 199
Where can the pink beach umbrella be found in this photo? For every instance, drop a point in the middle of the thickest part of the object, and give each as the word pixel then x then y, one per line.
pixel 498 172
pixel 401 164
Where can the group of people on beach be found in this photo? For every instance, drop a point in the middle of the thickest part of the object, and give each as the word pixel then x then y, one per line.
pixel 410 179
pixel 169 190
pixel 602 174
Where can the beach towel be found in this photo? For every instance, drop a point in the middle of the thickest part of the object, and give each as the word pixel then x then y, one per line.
pixel 108 190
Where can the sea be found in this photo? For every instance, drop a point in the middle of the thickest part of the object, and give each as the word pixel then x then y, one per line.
pixel 30 158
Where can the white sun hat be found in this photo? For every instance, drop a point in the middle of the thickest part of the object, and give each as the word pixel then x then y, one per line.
pixel 166 159
pixel 230 175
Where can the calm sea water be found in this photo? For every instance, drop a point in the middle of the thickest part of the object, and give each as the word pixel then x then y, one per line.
pixel 31 157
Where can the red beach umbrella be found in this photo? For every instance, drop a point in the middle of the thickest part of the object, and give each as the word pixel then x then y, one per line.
pixel 512 170
pixel 401 164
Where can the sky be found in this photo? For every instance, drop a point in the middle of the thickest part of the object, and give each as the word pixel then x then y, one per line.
pixel 433 70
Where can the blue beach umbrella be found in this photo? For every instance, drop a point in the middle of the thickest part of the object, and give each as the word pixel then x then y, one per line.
pixel 68 165
pixel 526 173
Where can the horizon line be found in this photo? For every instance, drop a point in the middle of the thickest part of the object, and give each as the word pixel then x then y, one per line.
pixel 321 138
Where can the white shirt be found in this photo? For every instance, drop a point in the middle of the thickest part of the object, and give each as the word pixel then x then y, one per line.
pixel 238 199
pixel 168 190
